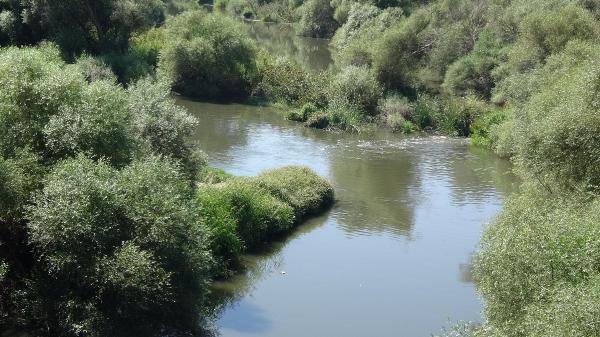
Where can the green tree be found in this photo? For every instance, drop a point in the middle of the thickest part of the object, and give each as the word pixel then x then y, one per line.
pixel 207 56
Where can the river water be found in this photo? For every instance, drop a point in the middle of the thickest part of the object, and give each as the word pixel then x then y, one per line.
pixel 391 258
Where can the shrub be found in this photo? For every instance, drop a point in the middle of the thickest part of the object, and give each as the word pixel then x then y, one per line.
pixel 426 110
pixel 94 69
pixel 538 245
pixel 546 32
pixel 161 127
pixel 571 310
pixel 299 187
pixel 100 27
pixel 484 125
pixel 557 136
pixel 397 53
pixel 36 84
pixel 19 177
pixel 128 66
pixel 240 204
pixel 396 105
pixel 99 124
pixel 452 116
pixel 128 244
pixel 211 175
pixel 473 74
pixel 317 19
pixel 318 121
pixel 207 56
pixel 355 88
pixel 244 212
pixel 358 17
pixel 281 80
pixel 302 114
pixel 147 45
pixel 121 205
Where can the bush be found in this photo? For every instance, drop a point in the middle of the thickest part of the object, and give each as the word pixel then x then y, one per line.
pixel 557 128
pixel 396 105
pixel 397 54
pixel 283 81
pixel 355 88
pixel 128 67
pixel 452 116
pixel 19 177
pixel 299 187
pixel 302 114
pixel 473 74
pixel 207 56
pixel 94 69
pixel 359 16
pixel 538 245
pixel 129 241
pixel 242 213
pixel 318 121
pixel 317 19
pixel 484 126
pixel 147 45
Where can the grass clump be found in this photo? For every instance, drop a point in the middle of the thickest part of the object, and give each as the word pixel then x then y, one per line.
pixel 299 187
pixel 245 212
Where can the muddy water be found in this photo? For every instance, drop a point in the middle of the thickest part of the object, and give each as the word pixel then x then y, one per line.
pixel 391 258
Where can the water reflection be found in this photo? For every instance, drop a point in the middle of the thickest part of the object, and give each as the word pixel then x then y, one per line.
pixel 282 40
pixel 394 252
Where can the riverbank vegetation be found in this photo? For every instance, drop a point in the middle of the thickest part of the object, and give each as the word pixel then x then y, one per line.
pixel 103 228
pixel 112 224
pixel 244 212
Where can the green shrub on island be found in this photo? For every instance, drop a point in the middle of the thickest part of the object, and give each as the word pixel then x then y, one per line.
pixel 306 192
pixel 244 212
pixel 207 56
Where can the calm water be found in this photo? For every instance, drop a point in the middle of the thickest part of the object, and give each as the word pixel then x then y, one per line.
pixel 282 40
pixel 393 256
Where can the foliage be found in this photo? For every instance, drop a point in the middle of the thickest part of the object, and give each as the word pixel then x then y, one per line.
pixel 131 240
pixel 485 125
pixel 556 138
pixel 397 113
pixel 355 88
pixel 243 212
pixel 473 73
pixel 94 69
pixel 299 187
pixel 97 27
pixel 147 45
pixel 281 80
pixel 317 19
pixel 540 244
pixel 207 56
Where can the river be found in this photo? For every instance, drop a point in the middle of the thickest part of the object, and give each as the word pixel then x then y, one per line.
pixel 391 258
